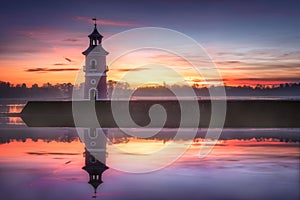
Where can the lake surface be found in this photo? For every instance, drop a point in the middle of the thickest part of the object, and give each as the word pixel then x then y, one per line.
pixel 47 163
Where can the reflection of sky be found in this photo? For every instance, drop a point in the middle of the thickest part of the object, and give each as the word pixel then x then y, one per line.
pixel 234 170
pixel 10 108
pixel 257 41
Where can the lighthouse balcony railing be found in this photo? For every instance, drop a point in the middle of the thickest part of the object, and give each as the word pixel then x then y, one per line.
pixel 93 69
pixel 85 69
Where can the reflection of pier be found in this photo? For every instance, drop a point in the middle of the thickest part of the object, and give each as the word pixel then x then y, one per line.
pixel 95 155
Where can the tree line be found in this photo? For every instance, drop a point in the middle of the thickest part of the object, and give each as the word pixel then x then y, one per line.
pixel 64 90
pixel 259 90
pixel 47 90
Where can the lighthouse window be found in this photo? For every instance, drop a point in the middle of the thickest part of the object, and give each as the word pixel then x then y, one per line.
pixel 93 64
pixel 93 81
pixel 92 159
pixel 93 133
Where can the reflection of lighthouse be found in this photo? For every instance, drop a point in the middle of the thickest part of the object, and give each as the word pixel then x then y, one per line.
pixel 95 156
pixel 95 68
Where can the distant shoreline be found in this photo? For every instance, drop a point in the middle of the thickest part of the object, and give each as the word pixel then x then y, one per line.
pixel 296 97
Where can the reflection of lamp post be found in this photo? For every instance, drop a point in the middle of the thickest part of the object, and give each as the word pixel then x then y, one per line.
pixel 95 142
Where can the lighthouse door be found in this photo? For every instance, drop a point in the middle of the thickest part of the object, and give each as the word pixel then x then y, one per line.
pixel 93 94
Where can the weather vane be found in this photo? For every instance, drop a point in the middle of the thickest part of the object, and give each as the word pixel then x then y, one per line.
pixel 95 21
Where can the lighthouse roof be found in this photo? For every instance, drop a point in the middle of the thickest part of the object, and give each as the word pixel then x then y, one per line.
pixel 95 39
pixel 99 50
pixel 95 34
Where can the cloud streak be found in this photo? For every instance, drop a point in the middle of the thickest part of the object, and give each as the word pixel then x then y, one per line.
pixel 68 59
pixel 60 64
pixel 71 40
pixel 250 80
pixel 133 69
pixel 240 65
pixel 44 69
pixel 274 79
pixel 52 153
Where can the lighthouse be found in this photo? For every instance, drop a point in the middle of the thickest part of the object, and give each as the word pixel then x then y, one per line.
pixel 95 68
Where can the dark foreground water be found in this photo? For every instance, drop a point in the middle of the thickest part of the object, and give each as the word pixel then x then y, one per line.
pixel 46 163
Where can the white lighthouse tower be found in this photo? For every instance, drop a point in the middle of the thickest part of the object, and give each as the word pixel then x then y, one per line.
pixel 95 87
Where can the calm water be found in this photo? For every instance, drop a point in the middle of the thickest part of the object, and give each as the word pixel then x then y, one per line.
pixel 46 163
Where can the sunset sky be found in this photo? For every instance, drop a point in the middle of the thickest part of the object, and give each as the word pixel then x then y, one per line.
pixel 250 42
